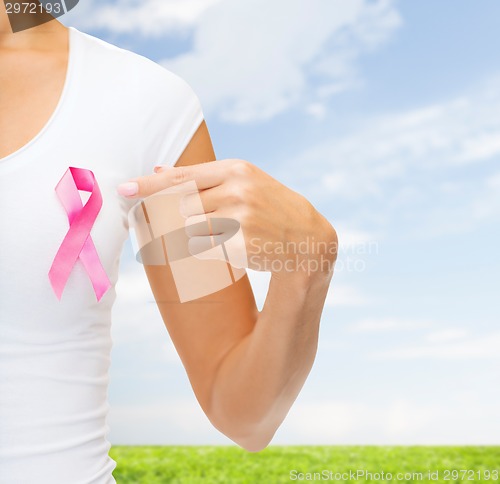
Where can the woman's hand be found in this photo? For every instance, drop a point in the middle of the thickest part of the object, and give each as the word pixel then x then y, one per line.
pixel 282 231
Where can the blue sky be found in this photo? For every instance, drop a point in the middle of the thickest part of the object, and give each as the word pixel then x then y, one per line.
pixel 386 114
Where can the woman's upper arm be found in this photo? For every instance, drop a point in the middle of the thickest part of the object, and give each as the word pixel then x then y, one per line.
pixel 205 329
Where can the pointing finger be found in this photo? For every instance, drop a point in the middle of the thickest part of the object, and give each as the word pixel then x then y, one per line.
pixel 206 175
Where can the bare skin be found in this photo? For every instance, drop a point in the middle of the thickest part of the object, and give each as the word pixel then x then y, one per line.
pixel 32 69
pixel 246 367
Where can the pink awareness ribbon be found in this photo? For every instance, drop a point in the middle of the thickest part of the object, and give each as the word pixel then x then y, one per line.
pixel 77 243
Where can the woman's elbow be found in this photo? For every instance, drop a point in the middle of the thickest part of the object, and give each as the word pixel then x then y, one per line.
pixel 254 437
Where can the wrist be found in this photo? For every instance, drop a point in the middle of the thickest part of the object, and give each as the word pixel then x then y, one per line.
pixel 300 287
pixel 312 246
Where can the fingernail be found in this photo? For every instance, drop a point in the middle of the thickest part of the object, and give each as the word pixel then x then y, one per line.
pixel 128 189
pixel 159 168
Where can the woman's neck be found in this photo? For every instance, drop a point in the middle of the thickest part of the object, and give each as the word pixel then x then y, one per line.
pixel 4 20
pixel 39 36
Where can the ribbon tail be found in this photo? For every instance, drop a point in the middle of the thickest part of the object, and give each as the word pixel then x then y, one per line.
pixel 57 281
pixel 95 269
pixel 61 268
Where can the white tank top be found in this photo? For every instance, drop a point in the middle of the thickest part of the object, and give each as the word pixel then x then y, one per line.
pixel 118 116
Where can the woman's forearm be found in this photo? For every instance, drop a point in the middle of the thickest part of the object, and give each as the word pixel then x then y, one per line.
pixel 259 379
pixel 247 368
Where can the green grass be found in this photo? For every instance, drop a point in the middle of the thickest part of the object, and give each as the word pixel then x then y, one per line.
pixel 228 465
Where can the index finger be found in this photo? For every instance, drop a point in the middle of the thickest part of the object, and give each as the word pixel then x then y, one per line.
pixel 206 175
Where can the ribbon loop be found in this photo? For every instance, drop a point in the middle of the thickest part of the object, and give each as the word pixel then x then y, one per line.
pixel 77 243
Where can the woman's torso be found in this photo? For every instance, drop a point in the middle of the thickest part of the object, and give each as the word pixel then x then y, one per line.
pixel 118 115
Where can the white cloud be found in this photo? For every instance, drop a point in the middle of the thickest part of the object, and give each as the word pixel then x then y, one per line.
pixel 414 165
pixel 415 143
pixel 345 295
pixel 449 334
pixel 478 347
pixel 323 422
pixel 145 17
pixel 254 59
pixel 165 422
pixel 388 324
pixel 493 181
pixel 480 147
pixel 316 110
pixel 355 238
pixel 397 422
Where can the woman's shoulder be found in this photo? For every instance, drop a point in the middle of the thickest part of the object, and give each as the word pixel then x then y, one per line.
pixel 126 66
